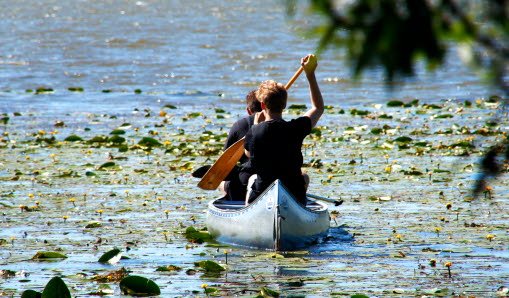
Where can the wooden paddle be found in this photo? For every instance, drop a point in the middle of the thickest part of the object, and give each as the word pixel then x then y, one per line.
pixel 225 163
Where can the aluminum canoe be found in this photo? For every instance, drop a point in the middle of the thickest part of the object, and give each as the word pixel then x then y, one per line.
pixel 275 221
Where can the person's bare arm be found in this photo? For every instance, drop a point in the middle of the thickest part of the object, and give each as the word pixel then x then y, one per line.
pixel 310 63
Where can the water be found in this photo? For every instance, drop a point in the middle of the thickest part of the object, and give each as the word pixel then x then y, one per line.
pixel 203 54
pixel 168 47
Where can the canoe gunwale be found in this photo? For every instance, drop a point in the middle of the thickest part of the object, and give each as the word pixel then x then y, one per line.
pixel 212 204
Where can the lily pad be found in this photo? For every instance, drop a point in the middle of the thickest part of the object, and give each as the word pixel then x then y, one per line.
pixel 395 103
pixel 139 286
pixel 31 294
pixel 48 255
pixel 116 139
pixel 149 142
pixel 98 139
pixel 266 292
pixel 169 268
pixel 111 257
pixel 106 165
pixel 73 138
pixel 210 266
pixel 195 236
pixel 94 224
pixel 297 107
pixel 403 140
pixel 56 287
pixel 117 132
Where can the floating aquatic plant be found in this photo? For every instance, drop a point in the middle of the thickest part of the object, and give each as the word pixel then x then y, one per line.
pixel 114 276
pixel 76 89
pixel 169 268
pixel 73 138
pixel 111 257
pixel 297 107
pixel 210 266
pixel 56 287
pixel 195 236
pixel 266 292
pixel 48 255
pixel 139 286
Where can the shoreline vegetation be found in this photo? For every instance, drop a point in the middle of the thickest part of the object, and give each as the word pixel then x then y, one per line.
pixel 79 183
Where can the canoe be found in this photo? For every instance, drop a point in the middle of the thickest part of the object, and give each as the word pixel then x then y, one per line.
pixel 275 221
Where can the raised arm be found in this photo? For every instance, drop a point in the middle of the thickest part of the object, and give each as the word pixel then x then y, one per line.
pixel 310 63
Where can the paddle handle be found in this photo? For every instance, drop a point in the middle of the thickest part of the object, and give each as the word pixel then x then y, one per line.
pixel 335 202
pixel 295 76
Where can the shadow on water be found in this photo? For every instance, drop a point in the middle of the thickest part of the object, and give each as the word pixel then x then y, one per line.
pixel 337 239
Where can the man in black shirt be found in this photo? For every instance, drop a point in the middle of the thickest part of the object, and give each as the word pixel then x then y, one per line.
pixel 233 187
pixel 240 128
pixel 273 145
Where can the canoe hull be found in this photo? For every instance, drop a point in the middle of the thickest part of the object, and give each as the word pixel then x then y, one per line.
pixel 273 221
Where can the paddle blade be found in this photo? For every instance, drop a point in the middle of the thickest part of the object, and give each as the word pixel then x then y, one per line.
pixel 200 172
pixel 222 167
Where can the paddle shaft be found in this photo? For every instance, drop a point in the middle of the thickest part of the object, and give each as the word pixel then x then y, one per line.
pixel 295 76
pixel 225 163
pixel 335 202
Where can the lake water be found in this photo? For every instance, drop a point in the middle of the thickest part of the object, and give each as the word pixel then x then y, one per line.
pixel 173 47
pixel 198 55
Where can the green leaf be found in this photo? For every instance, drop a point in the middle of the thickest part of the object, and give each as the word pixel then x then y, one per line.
pixel 93 225
pixel 98 139
pixel 117 132
pixel 377 131
pixel 116 139
pixel 403 140
pixel 395 103
pixel 56 287
pixel 108 164
pixel 210 266
pixel 169 268
pixel 297 107
pixel 149 142
pixel 209 290
pixel 31 294
pixel 73 138
pixel 76 89
pixel 111 256
pixel 48 255
pixel 356 112
pixel 139 286
pixel 266 292
pixel 444 116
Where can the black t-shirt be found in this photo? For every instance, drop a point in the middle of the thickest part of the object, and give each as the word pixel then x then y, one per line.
pixel 238 131
pixel 275 148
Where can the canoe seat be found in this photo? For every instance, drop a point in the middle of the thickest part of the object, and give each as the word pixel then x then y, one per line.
pixel 229 204
pixel 312 205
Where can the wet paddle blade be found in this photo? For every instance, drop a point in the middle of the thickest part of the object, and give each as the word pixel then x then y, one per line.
pixel 222 167
pixel 200 172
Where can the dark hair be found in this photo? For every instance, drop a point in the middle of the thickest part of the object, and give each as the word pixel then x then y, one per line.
pixel 273 95
pixel 252 102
